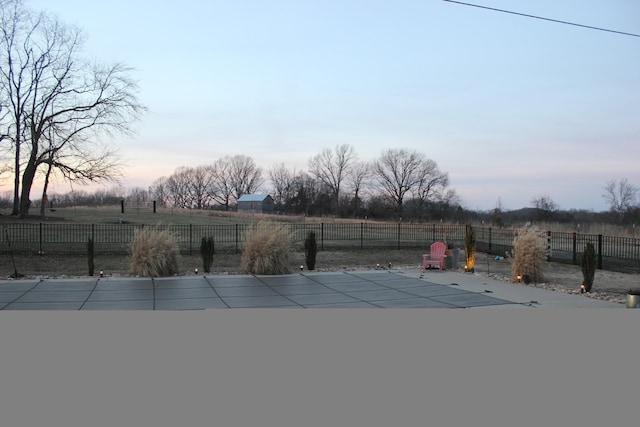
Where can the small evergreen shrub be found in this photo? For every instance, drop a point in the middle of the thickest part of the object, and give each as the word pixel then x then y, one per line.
pixel 90 256
pixel 310 250
pixel 206 252
pixel 470 248
pixel 154 253
pixel 266 249
pixel 529 254
pixel 588 266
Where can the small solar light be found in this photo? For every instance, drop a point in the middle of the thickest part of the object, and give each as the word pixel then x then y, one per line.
pixel 195 271
pixel 101 273
pixel 519 277
pixel 302 268
pixel 377 266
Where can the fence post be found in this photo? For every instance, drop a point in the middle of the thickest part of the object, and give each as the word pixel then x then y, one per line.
pixel 433 232
pixel 322 236
pixel 599 251
pixel 398 235
pixel 190 239
pixel 121 206
pixel 548 245
pixel 575 248
pixel 40 251
pixel 361 235
pixel 490 242
pixel 154 206
pixel 236 238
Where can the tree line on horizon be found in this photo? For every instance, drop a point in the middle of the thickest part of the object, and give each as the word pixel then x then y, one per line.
pixel 401 182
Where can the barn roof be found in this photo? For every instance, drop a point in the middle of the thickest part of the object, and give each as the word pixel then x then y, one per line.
pixel 253 197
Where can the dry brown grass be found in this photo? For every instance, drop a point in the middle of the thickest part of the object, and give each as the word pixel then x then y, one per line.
pixel 154 253
pixel 528 254
pixel 266 249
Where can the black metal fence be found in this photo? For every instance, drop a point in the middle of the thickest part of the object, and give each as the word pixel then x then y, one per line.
pixel 614 253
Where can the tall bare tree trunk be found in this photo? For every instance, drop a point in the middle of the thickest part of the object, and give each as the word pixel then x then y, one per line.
pixel 43 200
pixel 27 182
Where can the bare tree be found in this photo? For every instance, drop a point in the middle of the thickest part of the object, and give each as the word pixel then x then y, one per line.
pixel 246 176
pixel 200 187
pixel 358 177
pixel 61 105
pixel 137 196
pixel 431 184
pixel 282 182
pixel 400 171
pixel 177 187
pixel 309 196
pixel 544 203
pixel 158 191
pixel 330 168
pixel 620 195
pixel 545 207
pixel 222 186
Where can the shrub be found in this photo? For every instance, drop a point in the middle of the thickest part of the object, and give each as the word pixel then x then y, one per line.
pixel 470 248
pixel 154 253
pixel 266 249
pixel 310 250
pixel 90 255
pixel 528 254
pixel 588 266
pixel 206 252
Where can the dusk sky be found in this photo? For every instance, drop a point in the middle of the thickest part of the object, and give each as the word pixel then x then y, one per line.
pixel 511 107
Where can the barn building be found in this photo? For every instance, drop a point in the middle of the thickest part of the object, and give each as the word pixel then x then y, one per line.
pixel 256 203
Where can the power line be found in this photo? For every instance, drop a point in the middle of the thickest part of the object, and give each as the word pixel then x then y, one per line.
pixel 544 19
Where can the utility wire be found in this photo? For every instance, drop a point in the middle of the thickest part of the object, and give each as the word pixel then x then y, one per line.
pixel 544 19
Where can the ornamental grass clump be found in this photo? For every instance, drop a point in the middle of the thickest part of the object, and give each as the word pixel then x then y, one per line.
pixel 266 249
pixel 154 253
pixel 528 254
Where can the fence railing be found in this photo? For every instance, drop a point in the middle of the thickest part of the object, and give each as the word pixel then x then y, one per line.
pixel 613 253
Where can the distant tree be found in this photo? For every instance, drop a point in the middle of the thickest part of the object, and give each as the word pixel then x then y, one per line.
pixel 400 171
pixel 358 177
pixel 397 172
pixel 310 197
pixel 497 214
pixel 544 203
pixel 137 196
pixel 222 186
pixel 431 185
pixel 331 168
pixel 621 195
pixel 177 188
pixel 200 187
pixel 159 192
pixel 282 182
pixel 245 175
pixel 545 207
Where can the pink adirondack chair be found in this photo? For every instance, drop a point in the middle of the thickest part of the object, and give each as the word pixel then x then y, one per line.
pixel 435 256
